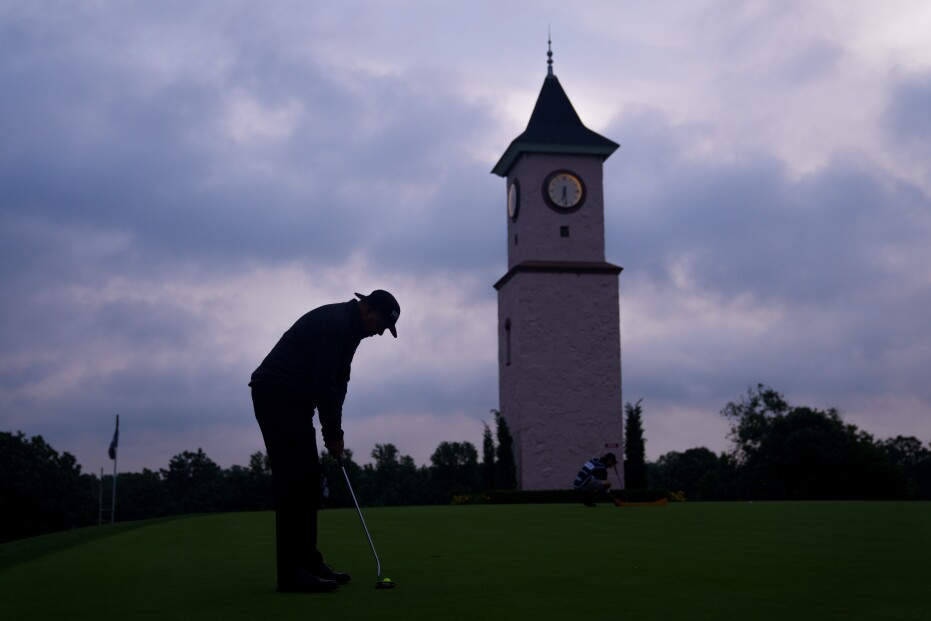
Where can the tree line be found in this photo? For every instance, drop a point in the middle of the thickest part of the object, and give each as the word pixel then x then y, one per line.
pixel 784 452
pixel 43 491
pixel 779 451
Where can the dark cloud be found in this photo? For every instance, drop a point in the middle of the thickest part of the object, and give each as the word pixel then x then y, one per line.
pixel 907 121
pixel 745 226
pixel 156 156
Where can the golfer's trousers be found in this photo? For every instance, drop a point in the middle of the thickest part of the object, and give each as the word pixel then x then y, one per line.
pixel 286 423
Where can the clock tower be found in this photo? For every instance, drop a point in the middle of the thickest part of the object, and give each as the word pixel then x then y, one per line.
pixel 559 340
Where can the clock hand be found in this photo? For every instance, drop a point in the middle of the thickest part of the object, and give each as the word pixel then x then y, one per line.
pixel 565 199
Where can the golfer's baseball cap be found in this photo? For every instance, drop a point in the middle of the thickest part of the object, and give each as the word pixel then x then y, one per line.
pixel 387 307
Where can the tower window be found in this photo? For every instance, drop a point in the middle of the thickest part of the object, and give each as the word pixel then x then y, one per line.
pixel 564 231
pixel 507 342
pixel 515 239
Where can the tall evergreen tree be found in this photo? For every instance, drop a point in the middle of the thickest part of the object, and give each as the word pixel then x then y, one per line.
pixel 635 474
pixel 505 467
pixel 488 458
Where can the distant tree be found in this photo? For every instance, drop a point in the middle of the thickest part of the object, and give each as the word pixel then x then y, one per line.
pixel 454 470
pixel 635 476
pixel 259 481
pixel 749 420
pixel 141 495
pixel 488 458
pixel 690 472
pixel 378 483
pixel 722 482
pixel 259 465
pixel 914 462
pixel 790 452
pixel 239 492
pixel 41 490
pixel 339 493
pixel 393 479
pixel 414 483
pixel 194 483
pixel 505 466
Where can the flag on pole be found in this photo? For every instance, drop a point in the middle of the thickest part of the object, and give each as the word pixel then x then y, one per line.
pixel 116 439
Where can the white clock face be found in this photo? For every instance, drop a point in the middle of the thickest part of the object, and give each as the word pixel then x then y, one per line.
pixel 564 190
pixel 513 199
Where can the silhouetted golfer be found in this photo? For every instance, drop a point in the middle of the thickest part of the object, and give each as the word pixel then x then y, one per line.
pixel 309 369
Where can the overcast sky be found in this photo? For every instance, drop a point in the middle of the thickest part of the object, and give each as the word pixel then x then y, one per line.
pixel 180 181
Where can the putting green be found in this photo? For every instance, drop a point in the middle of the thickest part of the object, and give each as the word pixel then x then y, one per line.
pixel 841 560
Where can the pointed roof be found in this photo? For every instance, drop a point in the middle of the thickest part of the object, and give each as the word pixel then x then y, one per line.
pixel 554 127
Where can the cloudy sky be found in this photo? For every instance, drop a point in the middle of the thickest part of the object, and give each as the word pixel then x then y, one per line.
pixel 180 181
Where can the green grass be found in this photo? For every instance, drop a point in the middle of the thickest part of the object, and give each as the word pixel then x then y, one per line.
pixel 843 560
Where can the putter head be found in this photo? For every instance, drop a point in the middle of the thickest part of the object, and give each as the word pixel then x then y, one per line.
pixel 385 583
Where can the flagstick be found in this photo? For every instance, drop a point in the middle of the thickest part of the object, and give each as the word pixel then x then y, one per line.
pixel 100 501
pixel 113 507
pixel 115 455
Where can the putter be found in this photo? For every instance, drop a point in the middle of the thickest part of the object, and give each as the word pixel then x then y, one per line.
pixel 380 583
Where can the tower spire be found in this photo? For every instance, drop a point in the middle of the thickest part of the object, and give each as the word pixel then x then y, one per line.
pixel 549 52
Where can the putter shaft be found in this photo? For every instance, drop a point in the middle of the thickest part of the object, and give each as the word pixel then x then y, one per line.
pixel 361 519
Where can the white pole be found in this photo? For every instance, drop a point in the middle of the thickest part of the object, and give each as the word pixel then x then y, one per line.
pixel 113 506
pixel 115 454
pixel 100 501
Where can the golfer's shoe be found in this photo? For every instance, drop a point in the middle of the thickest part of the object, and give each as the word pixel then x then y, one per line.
pixel 326 572
pixel 306 582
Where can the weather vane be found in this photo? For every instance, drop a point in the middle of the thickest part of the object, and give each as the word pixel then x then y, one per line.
pixel 549 52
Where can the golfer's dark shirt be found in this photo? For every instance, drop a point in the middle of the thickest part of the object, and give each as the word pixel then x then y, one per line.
pixel 314 358
pixel 593 468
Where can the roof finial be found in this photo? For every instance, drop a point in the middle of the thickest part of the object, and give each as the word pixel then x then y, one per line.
pixel 549 52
